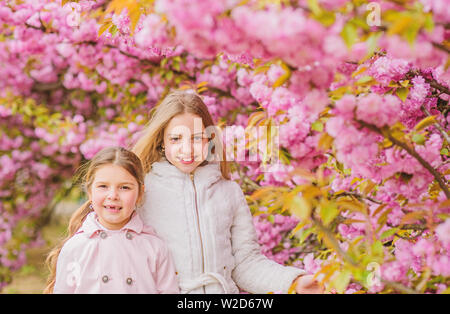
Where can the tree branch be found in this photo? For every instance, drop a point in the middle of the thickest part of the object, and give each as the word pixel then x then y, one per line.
pixel 412 152
pixel 129 55
pixel 360 197
pixel 250 184
pixel 333 241
pixel 433 83
pixel 437 125
pixel 441 47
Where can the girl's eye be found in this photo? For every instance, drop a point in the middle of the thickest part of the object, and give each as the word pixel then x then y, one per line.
pixel 174 139
pixel 102 186
pixel 125 187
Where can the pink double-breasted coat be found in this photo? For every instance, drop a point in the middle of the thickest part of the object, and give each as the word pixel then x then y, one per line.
pixel 130 260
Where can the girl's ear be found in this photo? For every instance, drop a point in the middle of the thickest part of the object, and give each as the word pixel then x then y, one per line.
pixel 89 194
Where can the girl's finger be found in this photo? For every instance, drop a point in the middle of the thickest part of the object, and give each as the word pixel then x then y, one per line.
pixel 309 281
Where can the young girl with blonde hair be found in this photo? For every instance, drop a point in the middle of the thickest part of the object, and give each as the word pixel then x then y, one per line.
pixel 109 249
pixel 201 214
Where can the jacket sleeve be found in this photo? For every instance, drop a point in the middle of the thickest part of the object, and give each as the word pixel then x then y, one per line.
pixel 166 279
pixel 68 272
pixel 254 272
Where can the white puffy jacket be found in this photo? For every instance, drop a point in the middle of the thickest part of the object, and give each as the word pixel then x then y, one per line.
pixel 206 222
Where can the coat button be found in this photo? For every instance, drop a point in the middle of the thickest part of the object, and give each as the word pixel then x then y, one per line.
pixel 103 235
pixel 129 235
pixel 105 279
pixel 129 281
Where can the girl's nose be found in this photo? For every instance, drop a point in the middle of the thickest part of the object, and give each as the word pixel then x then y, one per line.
pixel 112 194
pixel 186 148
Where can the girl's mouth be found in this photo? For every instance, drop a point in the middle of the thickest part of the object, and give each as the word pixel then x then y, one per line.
pixel 112 209
pixel 186 161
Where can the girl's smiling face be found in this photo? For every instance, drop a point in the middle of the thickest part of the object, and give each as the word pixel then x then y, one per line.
pixel 114 194
pixel 185 142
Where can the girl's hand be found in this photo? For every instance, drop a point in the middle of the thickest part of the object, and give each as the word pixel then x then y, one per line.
pixel 307 285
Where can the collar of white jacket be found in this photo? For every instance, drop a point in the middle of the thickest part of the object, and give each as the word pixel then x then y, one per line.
pixel 203 175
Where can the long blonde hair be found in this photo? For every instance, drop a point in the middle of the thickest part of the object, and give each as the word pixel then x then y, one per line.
pixel 148 147
pixel 111 155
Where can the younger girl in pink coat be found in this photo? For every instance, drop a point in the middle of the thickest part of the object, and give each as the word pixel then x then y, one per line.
pixel 109 249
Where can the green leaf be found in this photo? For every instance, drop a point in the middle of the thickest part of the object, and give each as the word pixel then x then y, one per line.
pixel 388 233
pixel 169 75
pixel 352 205
pixel 113 30
pixel 176 65
pixel 328 213
pixel 372 43
pixel 429 23
pixel 342 280
pixel 284 77
pixel 411 33
pixel 418 139
pixel 377 249
pixel 364 80
pixel 402 93
pixel 163 62
pixel 304 234
pixel 349 34
pixel 424 123
pixel 300 207
pixel 401 22
pixel 106 25
pixel 327 18
pixel 314 6
pixel 317 126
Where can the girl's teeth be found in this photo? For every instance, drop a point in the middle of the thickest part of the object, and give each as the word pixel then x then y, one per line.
pixel 113 207
pixel 187 159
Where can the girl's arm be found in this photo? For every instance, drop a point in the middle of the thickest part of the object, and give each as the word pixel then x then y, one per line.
pixel 166 279
pixel 254 272
pixel 68 272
